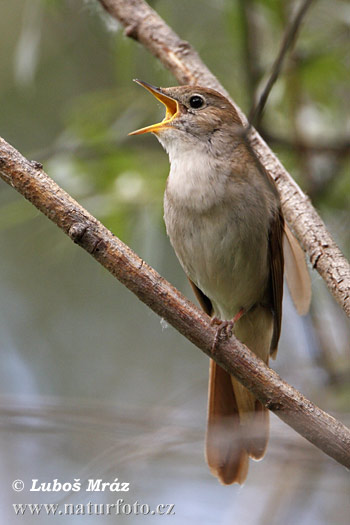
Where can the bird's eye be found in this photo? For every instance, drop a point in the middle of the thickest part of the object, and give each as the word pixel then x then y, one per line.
pixel 196 102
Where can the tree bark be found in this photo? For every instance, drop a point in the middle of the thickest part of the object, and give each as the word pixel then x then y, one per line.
pixel 144 25
pixel 29 179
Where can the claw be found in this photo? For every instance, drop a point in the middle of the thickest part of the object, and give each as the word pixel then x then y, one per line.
pixel 224 328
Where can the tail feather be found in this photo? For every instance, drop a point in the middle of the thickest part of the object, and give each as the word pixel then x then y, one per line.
pixel 254 420
pixel 238 424
pixel 261 432
pixel 233 433
pixel 226 457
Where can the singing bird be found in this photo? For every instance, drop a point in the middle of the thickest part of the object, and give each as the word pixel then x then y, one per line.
pixel 223 216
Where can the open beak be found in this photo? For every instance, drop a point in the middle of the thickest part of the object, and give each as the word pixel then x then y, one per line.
pixel 171 105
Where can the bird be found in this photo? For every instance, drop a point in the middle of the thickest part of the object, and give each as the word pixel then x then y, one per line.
pixel 224 219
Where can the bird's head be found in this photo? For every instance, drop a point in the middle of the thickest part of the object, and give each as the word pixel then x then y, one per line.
pixel 193 114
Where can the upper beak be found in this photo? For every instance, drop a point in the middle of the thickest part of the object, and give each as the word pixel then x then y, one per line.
pixel 171 105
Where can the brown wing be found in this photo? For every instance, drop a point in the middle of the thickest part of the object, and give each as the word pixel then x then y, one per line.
pixel 202 299
pixel 276 276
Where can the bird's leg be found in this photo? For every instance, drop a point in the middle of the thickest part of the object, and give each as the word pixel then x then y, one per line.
pixel 224 328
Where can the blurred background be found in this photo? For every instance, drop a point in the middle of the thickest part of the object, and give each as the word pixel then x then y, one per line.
pixel 93 384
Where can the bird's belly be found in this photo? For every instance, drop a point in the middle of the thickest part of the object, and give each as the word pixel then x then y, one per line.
pixel 220 256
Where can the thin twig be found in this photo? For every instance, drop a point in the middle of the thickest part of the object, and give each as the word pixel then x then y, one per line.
pixel 288 40
pixel 250 40
pixel 144 25
pixel 286 402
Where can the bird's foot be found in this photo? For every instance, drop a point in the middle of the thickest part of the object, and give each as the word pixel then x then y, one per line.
pixel 224 328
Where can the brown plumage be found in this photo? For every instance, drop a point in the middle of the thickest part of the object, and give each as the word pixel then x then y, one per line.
pixel 223 216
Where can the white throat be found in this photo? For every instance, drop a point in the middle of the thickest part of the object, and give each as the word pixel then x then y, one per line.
pixel 193 179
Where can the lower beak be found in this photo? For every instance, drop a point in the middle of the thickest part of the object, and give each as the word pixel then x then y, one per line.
pixel 171 105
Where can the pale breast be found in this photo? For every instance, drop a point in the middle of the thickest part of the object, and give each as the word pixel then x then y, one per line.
pixel 221 252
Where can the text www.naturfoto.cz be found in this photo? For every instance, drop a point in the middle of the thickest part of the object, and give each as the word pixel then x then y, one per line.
pixel 120 507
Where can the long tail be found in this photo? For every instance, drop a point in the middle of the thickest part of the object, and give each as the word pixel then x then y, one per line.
pixel 238 424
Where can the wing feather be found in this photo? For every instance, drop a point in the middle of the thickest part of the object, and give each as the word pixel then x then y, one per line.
pixel 276 276
pixel 297 275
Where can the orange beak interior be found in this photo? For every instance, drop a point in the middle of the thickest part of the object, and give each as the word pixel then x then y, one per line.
pixel 171 106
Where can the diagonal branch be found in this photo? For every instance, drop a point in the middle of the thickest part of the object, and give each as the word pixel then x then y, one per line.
pixel 144 25
pixel 286 402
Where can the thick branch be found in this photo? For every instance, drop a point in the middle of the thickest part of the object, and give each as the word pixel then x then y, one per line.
pixel 286 402
pixel 143 24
